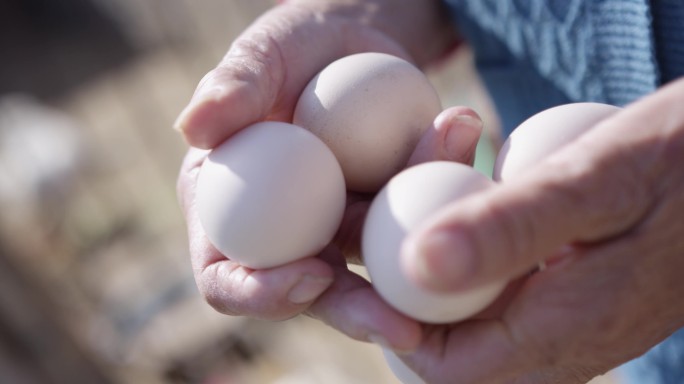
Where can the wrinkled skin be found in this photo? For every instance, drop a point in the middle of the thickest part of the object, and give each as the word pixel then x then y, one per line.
pixel 605 212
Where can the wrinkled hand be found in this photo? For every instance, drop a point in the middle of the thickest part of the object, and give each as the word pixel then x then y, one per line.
pixel 616 197
pixel 260 78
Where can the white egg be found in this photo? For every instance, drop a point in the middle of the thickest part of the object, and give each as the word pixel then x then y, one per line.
pixel 270 194
pixel 371 110
pixel 401 206
pixel 544 133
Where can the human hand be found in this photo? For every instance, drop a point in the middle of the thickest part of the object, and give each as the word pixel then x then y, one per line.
pixel 322 285
pixel 260 78
pixel 605 212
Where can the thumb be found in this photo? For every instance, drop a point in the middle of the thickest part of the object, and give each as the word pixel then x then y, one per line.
pixel 259 78
pixel 587 192
pixel 241 90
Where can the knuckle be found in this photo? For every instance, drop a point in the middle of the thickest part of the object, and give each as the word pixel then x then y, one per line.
pixel 233 290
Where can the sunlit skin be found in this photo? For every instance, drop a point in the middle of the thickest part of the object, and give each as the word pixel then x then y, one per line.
pixel 605 211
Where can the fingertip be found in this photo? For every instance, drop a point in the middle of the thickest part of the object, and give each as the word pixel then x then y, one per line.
pixel 456 112
pixel 228 98
pixel 199 119
pixel 453 136
pixel 215 114
pixel 461 128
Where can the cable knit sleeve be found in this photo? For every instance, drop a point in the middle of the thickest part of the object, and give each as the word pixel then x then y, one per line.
pixel 585 50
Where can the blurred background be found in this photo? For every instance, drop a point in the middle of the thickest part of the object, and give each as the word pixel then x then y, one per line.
pixel 95 281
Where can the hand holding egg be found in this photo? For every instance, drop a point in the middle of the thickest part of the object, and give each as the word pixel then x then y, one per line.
pixel 261 78
pixel 539 302
pixel 278 181
pixel 276 292
pixel 252 186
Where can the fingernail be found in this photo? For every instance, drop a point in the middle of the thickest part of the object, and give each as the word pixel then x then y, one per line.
pixel 180 122
pixel 202 96
pixel 457 142
pixel 441 260
pixel 308 288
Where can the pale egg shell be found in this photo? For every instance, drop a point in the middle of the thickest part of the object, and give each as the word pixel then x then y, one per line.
pixel 401 206
pixel 544 133
pixel 272 193
pixel 371 110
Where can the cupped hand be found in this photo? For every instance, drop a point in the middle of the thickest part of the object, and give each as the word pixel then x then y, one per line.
pixel 321 285
pixel 260 78
pixel 605 212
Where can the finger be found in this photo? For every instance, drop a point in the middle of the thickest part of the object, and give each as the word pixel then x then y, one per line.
pixel 274 294
pixel 352 306
pixel 589 191
pixel 266 69
pixel 452 137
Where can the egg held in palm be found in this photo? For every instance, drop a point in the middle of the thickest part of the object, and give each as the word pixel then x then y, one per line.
pixel 270 194
pixel 371 109
pixel 401 206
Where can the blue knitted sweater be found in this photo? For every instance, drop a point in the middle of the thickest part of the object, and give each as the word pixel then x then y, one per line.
pixel 534 54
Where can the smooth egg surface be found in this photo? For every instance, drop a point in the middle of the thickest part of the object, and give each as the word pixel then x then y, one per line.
pixel 371 110
pixel 544 133
pixel 270 194
pixel 401 206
